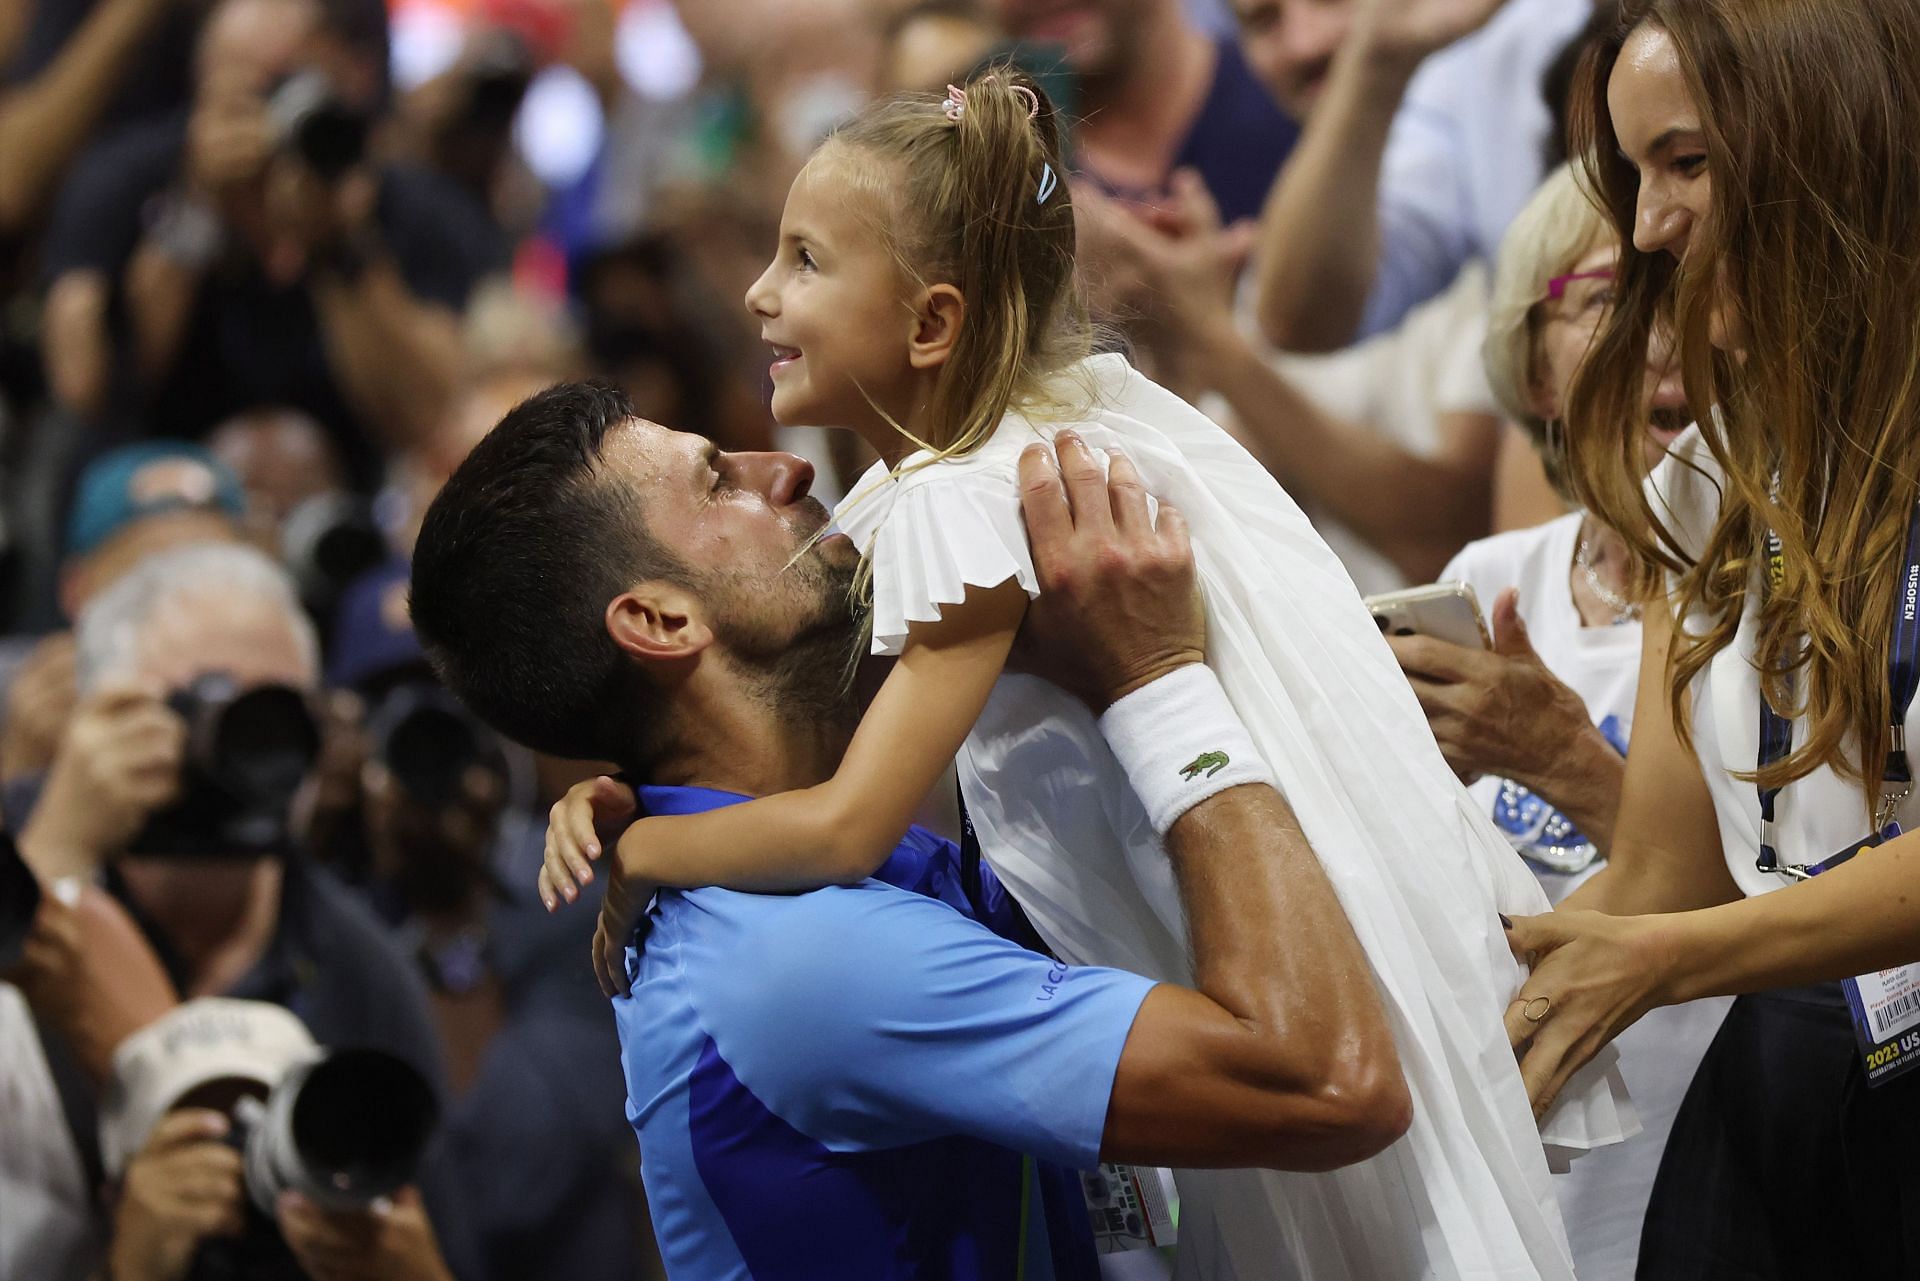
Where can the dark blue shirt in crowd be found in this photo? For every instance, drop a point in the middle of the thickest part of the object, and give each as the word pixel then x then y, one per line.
pixel 1238 141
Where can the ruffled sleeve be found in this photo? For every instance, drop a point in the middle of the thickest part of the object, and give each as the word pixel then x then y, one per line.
pixel 931 534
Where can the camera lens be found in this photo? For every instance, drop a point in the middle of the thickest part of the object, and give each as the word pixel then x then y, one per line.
pixel 360 1123
pixel 265 742
pixel 430 750
pixel 344 1129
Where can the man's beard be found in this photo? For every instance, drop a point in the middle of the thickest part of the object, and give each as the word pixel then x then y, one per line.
pixel 800 666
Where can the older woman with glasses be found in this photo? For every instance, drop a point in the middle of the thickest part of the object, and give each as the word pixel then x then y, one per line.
pixel 1541 720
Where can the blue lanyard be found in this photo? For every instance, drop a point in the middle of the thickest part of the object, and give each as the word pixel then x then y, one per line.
pixel 1903 681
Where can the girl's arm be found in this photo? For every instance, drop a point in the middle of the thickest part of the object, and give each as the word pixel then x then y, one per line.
pixel 843 829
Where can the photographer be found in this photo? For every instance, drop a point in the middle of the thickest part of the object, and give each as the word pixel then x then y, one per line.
pixel 195 648
pixel 127 505
pixel 251 252
pixel 199 1128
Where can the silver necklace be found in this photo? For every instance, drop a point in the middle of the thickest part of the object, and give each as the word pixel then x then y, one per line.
pixel 1624 610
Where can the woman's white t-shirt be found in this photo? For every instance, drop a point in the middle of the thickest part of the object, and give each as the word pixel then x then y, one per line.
pixel 1600 664
pixel 1604 1196
pixel 1814 816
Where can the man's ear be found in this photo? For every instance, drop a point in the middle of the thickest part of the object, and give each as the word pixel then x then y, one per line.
pixel 657 623
pixel 936 327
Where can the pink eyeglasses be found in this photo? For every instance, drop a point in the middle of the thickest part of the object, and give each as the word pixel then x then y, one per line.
pixel 1557 287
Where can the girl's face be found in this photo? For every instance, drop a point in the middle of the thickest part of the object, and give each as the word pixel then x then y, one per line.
pixel 1658 128
pixel 833 307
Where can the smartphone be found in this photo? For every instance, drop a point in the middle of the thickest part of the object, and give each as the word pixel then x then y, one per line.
pixel 1444 611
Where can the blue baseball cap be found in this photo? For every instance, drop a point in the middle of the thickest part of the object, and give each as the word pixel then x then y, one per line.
pixel 373 632
pixel 143 480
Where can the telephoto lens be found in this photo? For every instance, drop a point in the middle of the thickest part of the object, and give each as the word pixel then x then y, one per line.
pixel 429 741
pixel 327 542
pixel 310 120
pixel 344 1130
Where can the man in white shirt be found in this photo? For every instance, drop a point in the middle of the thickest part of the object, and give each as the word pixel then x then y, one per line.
pixel 1427 135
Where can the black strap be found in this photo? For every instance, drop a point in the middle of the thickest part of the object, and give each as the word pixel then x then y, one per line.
pixel 76 1105
pixel 1903 682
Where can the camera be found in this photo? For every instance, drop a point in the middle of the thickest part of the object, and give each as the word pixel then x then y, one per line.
pixel 314 123
pixel 343 1127
pixel 327 542
pixel 428 741
pixel 498 74
pixel 247 753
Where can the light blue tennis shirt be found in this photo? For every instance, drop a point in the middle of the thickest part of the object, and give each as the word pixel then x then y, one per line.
pixel 843 1083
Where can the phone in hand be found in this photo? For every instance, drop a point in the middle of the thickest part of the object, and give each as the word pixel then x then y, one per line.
pixel 1444 611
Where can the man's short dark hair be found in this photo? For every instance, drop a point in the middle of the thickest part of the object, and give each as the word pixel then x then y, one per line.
pixel 516 561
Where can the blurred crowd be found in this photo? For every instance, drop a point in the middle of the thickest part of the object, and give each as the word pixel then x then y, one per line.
pixel 270 268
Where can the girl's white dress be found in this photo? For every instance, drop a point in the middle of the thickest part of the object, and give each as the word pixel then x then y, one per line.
pixel 1420 871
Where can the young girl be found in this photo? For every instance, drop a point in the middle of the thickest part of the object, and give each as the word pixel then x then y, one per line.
pixel 923 294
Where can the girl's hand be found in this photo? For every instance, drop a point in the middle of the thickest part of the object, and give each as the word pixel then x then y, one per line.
pixel 1593 977
pixel 620 911
pixel 576 826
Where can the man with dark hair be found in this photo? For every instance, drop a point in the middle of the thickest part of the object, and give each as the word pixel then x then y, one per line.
pixel 601 586
pixel 555 538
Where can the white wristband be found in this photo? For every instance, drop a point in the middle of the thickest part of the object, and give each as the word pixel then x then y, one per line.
pixel 1180 742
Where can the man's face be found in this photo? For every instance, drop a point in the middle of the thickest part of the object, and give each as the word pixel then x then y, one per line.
pixel 744 524
pixel 1096 34
pixel 1290 45
pixel 251 641
pixel 249 44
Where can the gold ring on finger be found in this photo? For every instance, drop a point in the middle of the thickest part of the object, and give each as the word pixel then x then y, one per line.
pixel 1528 1013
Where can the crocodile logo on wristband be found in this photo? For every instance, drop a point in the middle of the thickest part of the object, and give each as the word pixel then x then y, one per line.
pixel 1208 763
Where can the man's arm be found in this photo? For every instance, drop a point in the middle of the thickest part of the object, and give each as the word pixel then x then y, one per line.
pixel 1186 265
pixel 1441 501
pixel 1320 245
pixel 43 123
pixel 1280 1056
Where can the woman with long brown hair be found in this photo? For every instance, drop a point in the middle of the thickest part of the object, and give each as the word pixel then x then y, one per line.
pixel 1761 158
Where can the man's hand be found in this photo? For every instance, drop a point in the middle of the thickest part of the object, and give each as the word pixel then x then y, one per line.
pixel 90 974
pixel 311 221
pixel 186 1185
pixel 39 705
pixel 1117 607
pixel 387 1243
pixel 1413 29
pixel 119 762
pixel 1188 259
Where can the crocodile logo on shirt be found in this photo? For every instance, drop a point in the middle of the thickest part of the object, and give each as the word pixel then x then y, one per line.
pixel 1208 763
